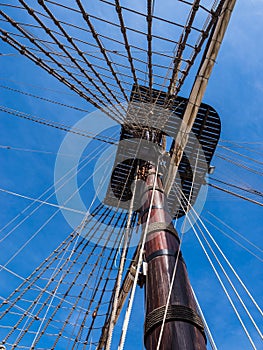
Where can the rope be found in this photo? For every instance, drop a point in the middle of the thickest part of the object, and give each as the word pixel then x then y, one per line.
pixel 234 240
pixel 235 232
pixel 43 99
pixel 228 263
pixel 236 194
pixel 120 271
pixel 43 202
pixel 52 216
pixel 223 286
pixel 90 158
pixel 140 260
pixel 176 262
pixel 239 164
pixel 56 125
pixel 82 226
pixel 235 273
pixel 241 155
pixel 249 190
pixel 207 330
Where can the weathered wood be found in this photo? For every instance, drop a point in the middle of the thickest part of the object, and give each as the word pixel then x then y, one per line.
pixel 177 335
pixel 198 90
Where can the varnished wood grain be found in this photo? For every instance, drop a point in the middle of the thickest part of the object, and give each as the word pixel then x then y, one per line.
pixel 177 335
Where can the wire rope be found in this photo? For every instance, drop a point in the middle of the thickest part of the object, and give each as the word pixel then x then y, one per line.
pixel 236 194
pixel 241 154
pixel 50 218
pixel 43 202
pixel 232 269
pixel 56 125
pixel 234 240
pixel 82 226
pixel 90 158
pixel 176 261
pixel 223 286
pixel 235 231
pixel 207 329
pixel 56 268
pixel 140 260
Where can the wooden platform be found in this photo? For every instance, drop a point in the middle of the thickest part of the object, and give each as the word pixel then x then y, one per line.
pixel 160 114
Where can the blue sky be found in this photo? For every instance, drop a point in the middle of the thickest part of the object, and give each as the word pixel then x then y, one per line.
pixel 235 91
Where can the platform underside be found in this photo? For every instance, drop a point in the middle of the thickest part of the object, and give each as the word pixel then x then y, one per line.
pixel 146 121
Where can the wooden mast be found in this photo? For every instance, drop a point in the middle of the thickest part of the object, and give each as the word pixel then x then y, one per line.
pixel 183 329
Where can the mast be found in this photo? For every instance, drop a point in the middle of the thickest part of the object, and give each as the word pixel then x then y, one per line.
pixel 172 321
pixel 183 327
pixel 171 311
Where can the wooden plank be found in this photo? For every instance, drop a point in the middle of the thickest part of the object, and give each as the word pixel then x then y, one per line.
pixel 198 91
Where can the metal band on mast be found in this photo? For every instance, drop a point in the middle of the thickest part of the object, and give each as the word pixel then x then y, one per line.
pixel 183 326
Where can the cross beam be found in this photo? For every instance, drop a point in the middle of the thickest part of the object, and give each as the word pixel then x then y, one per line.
pixel 198 91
